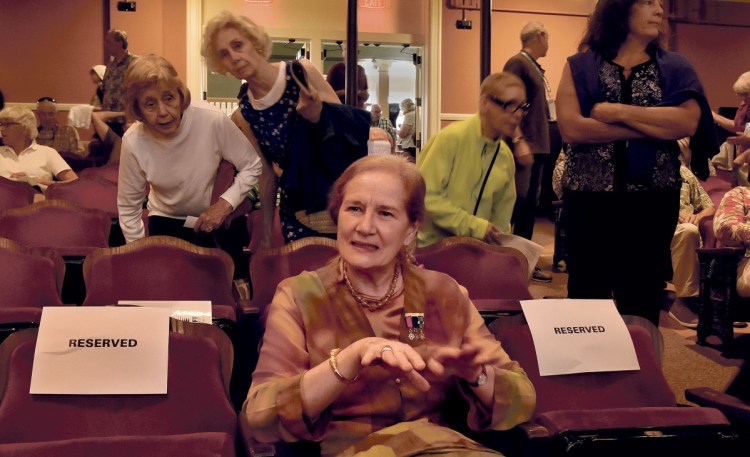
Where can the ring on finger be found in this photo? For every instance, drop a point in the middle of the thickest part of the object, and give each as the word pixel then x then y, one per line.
pixel 385 349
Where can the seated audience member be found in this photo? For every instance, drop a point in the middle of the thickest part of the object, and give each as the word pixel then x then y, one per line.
pixel 469 168
pixel 175 149
pixel 740 140
pixel 108 140
pixel 22 158
pixel 105 141
pixel 62 138
pixel 695 204
pixel 97 77
pixel 380 142
pixel 732 228
pixel 741 119
pixel 378 120
pixel 361 354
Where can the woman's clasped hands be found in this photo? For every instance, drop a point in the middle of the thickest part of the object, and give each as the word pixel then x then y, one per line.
pixel 438 363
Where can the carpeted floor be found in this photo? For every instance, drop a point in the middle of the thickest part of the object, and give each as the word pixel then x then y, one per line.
pixel 685 363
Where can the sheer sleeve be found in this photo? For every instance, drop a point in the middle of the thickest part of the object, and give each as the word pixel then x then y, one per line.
pixel 274 403
pixel 514 397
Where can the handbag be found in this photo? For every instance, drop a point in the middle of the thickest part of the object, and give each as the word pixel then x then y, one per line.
pixel 319 221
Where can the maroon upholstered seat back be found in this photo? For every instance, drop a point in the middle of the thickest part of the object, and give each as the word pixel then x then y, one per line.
pixel 197 400
pixel 20 314
pixel 110 172
pixel 487 271
pixel 269 267
pixel 15 194
pixel 617 389
pixel 29 277
pixel 94 192
pixel 57 224
pixel 158 268
pixel 185 445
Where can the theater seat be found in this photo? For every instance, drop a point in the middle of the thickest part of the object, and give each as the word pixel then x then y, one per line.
pixel 63 226
pixel 209 444
pixel 612 413
pixel 71 231
pixel 110 172
pixel 268 267
pixel 93 192
pixel 161 268
pixel 29 277
pixel 495 276
pixel 14 194
pixel 197 402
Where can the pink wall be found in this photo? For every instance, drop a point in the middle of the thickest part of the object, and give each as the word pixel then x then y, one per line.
pixel 396 16
pixel 47 51
pixel 157 26
pixel 460 49
pixel 42 54
pixel 719 55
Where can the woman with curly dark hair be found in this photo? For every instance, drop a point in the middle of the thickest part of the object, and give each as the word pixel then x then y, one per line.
pixel 623 103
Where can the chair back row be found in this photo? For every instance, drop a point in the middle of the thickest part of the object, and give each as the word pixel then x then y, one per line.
pixel 494 276
pixel 153 268
pixel 196 410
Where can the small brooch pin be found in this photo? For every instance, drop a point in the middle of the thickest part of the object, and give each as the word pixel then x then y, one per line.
pixel 415 324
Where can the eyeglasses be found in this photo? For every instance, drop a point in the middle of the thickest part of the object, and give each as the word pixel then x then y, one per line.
pixel 510 106
pixel 46 99
pixel 8 123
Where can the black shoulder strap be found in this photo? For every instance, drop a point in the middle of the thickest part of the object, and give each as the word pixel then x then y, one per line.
pixel 487 175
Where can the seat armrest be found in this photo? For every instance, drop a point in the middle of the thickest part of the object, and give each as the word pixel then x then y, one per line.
pixel 736 410
pixel 533 430
pixel 722 251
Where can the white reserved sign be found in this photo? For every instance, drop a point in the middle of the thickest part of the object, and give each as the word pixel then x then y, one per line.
pixel 92 350
pixel 579 336
pixel 195 311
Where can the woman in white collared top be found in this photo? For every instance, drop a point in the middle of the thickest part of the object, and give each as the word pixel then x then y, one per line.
pixel 22 159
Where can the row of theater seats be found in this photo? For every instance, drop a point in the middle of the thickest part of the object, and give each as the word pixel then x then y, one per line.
pixel 586 402
pixel 617 413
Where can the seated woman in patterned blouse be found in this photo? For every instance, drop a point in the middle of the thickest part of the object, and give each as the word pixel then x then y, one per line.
pixel 732 228
pixel 361 354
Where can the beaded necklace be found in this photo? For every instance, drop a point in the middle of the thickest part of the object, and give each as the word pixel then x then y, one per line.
pixel 370 302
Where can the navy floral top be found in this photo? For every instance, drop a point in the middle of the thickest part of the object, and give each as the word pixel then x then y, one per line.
pixel 272 128
pixel 605 167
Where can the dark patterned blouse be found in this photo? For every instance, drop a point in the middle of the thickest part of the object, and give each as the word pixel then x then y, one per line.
pixel 605 167
pixel 272 128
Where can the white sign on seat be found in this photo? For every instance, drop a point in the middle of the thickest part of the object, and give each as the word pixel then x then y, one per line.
pixel 96 350
pixel 195 311
pixel 579 336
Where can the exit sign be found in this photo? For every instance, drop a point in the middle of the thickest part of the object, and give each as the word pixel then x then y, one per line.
pixel 381 4
pixel 464 4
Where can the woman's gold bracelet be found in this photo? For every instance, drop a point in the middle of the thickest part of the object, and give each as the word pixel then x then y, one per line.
pixel 335 368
